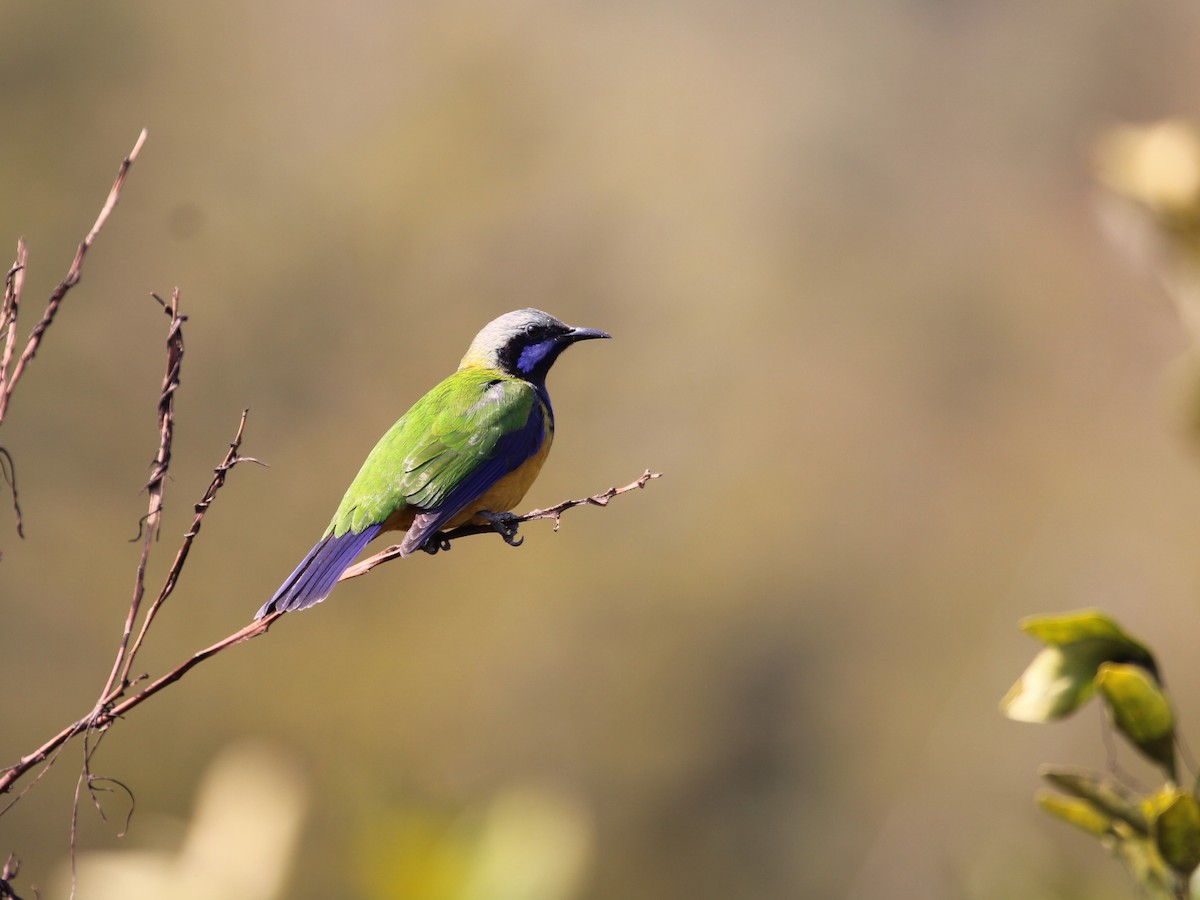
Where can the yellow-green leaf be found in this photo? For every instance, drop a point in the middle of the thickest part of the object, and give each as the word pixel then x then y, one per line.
pixel 1077 812
pixel 1140 711
pixel 1061 677
pixel 1079 625
pixel 1177 833
pixel 1107 796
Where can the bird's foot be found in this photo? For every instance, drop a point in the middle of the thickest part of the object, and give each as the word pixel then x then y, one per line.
pixel 436 542
pixel 506 525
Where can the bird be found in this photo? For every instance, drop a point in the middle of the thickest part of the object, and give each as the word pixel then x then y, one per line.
pixel 466 452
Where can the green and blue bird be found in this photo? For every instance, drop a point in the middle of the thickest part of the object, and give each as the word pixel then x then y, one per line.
pixel 474 444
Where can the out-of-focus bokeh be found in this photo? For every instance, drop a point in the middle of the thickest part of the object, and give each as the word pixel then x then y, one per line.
pixel 867 320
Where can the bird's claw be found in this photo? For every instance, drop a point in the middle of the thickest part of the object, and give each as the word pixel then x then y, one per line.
pixel 506 525
pixel 437 542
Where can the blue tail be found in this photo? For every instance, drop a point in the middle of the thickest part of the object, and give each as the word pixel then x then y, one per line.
pixel 316 575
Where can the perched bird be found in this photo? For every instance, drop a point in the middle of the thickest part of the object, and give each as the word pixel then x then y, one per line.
pixel 474 444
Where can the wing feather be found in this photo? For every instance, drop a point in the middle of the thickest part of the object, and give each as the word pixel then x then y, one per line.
pixel 456 442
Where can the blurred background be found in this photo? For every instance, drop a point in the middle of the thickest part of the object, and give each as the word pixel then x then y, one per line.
pixel 903 389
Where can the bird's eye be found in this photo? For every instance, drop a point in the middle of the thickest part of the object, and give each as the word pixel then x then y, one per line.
pixel 530 329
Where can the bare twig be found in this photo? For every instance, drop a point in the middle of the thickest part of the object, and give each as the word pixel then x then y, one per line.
pixel 232 458
pixel 555 512
pixel 154 487
pixel 14 282
pixel 49 759
pixel 105 713
pixel 443 538
pixel 74 273
pixel 100 720
pixel 108 711
pixel 10 307
pixel 8 471
pixel 118 678
pixel 253 630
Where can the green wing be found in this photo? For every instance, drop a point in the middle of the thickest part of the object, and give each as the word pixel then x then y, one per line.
pixel 456 441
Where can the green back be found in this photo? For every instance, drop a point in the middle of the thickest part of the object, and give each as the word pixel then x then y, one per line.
pixel 447 435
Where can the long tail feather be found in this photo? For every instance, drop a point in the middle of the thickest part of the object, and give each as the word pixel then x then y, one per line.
pixel 314 578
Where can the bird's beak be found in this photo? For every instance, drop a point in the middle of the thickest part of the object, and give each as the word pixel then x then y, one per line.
pixel 586 334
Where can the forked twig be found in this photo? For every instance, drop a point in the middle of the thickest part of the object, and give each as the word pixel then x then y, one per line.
pixel 110 710
pixel 154 486
pixel 10 308
pixel 105 711
pixel 232 458
pixel 74 273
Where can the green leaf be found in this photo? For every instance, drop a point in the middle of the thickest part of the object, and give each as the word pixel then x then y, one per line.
pixel 1107 796
pixel 1079 625
pixel 1077 812
pixel 1061 677
pixel 1140 711
pixel 1177 833
pixel 1085 625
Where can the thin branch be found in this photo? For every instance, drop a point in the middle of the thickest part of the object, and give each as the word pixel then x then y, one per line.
pixel 442 539
pixel 49 759
pixel 74 273
pixel 232 458
pixel 14 283
pixel 115 686
pixel 253 630
pixel 154 487
pixel 108 711
pixel 8 471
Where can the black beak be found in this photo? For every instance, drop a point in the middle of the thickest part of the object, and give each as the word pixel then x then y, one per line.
pixel 585 334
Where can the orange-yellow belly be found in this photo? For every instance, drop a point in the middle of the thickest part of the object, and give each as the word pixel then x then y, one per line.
pixel 508 491
pixel 500 497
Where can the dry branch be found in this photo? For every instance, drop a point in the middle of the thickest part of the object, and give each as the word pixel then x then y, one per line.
pixel 441 540
pixel 111 707
pixel 14 283
pixel 154 487
pixel 8 471
pixel 232 458
pixel 10 308
pixel 74 273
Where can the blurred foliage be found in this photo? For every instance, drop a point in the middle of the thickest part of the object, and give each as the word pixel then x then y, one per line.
pixel 239 842
pixel 1062 677
pixel 1151 175
pixel 865 323
pixel 529 843
pixel 1156 834
pixel 1151 206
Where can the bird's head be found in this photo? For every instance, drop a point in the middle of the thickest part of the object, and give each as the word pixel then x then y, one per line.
pixel 524 343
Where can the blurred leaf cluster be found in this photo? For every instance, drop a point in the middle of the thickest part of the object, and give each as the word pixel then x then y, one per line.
pixel 1150 206
pixel 530 842
pixel 1156 834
